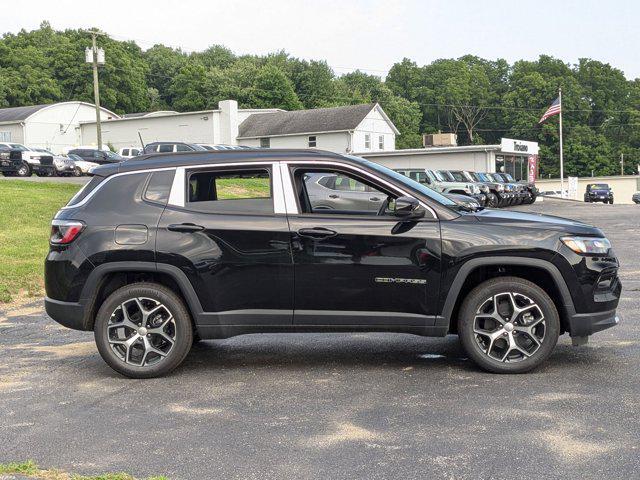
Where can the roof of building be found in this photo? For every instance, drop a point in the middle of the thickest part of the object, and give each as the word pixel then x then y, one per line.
pixel 335 119
pixel 18 114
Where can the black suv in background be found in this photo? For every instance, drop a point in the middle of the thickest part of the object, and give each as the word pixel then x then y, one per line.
pixel 172 147
pixel 101 157
pixel 155 253
pixel 598 192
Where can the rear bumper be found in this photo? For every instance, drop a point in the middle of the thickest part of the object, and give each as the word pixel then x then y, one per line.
pixel 68 314
pixel 585 324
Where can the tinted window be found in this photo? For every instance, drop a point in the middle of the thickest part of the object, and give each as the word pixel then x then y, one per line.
pixel 165 148
pixel 458 176
pixel 231 191
pixel 125 151
pixel 86 190
pixel 159 186
pixel 183 148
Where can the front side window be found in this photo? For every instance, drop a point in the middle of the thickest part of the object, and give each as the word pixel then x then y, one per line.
pixel 312 141
pixel 125 152
pixel 338 192
pixel 166 148
pixel 183 148
pixel 231 191
pixel 265 142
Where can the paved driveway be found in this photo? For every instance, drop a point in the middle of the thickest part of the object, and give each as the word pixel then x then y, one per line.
pixel 374 406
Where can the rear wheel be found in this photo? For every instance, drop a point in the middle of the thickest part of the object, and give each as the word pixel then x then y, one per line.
pixel 77 172
pixel 508 325
pixel 143 330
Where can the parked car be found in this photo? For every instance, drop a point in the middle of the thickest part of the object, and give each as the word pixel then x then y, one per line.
pixel 11 162
pixel 208 146
pixel 497 197
pixel 82 165
pixel 460 185
pixel 101 157
pixel 636 197
pixel 58 166
pixel 598 192
pixel 443 183
pixel 30 157
pixel 155 253
pixel 171 147
pixel 129 152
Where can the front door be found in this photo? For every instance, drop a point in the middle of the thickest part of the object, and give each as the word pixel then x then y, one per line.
pixel 355 263
pixel 232 245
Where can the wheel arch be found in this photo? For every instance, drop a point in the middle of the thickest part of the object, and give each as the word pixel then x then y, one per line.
pixel 107 278
pixel 541 272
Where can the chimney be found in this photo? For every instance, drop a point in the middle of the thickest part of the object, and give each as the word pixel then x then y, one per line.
pixel 228 122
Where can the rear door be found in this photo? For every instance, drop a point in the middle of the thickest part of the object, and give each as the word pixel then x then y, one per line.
pixel 225 230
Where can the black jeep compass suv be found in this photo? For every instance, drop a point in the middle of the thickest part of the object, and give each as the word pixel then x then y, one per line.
pixel 154 254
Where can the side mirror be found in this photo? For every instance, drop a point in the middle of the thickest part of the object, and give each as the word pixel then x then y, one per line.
pixel 408 208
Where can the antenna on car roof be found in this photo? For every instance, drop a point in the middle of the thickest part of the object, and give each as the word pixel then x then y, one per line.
pixel 140 136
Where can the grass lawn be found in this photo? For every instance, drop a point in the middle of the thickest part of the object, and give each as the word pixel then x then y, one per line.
pixel 31 470
pixel 26 209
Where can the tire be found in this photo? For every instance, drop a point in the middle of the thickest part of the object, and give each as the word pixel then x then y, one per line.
pixel 77 172
pixel 24 170
pixel 501 356
pixel 111 326
pixel 492 200
pixel 611 202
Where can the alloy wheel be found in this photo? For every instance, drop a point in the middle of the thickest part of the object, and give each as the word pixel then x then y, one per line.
pixel 509 327
pixel 141 331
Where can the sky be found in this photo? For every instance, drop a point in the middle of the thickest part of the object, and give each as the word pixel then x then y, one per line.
pixel 367 35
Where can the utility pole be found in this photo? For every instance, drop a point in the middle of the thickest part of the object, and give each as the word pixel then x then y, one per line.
pixel 95 56
pixel 622 164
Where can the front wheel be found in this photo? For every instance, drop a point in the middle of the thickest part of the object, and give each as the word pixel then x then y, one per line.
pixel 508 325
pixel 24 170
pixel 77 172
pixel 143 330
pixel 492 200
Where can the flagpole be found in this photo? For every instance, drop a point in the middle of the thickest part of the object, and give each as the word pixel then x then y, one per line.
pixel 561 159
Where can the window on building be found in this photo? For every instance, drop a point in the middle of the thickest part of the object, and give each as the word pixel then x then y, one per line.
pixel 312 141
pixel 5 136
pixel 367 141
pixel 265 142
pixel 381 142
pixel 231 191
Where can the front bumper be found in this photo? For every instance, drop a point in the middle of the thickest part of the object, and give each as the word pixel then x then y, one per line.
pixel 585 324
pixel 9 165
pixel 481 198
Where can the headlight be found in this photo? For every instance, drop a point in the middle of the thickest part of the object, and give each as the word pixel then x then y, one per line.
pixel 500 188
pixel 36 157
pixel 484 189
pixel 587 244
pixel 474 189
pixel 5 155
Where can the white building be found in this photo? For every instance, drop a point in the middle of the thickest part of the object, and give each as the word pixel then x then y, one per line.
pixel 55 126
pixel 216 126
pixel 353 128
pixel 510 156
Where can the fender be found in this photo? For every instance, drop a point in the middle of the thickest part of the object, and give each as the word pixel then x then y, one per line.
pixel 88 294
pixel 470 265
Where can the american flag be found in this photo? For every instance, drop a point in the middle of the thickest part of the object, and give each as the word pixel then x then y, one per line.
pixel 554 109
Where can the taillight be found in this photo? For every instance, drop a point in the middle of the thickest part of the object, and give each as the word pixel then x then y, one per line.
pixel 64 232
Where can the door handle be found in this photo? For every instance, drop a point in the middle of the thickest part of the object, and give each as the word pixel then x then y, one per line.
pixel 317 233
pixel 333 195
pixel 374 199
pixel 185 227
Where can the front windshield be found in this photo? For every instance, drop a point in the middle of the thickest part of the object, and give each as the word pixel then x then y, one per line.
pixel 114 156
pixel 17 146
pixel 423 189
pixel 445 176
pixel 508 177
pixel 494 177
pixel 459 176
pixel 599 186
pixel 472 177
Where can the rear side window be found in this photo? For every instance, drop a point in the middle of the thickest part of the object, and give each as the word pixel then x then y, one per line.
pixel 231 191
pixel 183 148
pixel 165 148
pixel 85 191
pixel 159 186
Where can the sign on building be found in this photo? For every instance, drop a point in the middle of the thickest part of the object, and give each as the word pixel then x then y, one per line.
pixel 532 168
pixel 518 147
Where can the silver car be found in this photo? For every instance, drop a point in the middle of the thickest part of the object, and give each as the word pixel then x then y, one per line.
pixel 333 191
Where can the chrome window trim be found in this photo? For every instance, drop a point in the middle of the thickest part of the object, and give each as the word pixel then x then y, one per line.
pixel 107 180
pixel 292 205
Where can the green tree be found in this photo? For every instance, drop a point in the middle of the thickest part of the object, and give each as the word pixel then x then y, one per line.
pixel 274 90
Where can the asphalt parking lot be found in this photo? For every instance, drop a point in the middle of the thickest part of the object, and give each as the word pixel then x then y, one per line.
pixel 373 406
